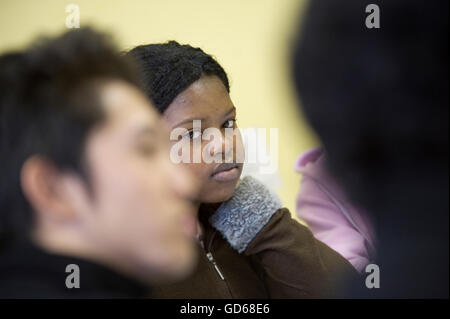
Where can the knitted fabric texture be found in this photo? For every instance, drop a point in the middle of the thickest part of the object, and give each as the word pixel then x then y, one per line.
pixel 241 217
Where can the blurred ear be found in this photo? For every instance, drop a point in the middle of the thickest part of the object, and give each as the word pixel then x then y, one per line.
pixel 47 189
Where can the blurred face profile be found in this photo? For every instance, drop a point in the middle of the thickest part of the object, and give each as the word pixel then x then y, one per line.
pixel 208 100
pixel 135 207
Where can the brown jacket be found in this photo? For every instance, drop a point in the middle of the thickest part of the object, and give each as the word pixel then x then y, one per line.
pixel 283 260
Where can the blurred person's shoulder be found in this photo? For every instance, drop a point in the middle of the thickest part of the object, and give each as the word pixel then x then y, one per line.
pixel 27 271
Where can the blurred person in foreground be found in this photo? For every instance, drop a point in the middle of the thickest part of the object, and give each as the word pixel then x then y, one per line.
pixel 86 179
pixel 378 99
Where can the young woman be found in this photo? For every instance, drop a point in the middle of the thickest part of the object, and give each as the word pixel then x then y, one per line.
pixel 249 245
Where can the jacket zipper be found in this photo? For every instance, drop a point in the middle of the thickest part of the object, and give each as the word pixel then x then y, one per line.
pixel 211 259
pixel 210 256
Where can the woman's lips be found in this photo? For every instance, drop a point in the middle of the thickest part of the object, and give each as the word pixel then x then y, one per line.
pixel 226 172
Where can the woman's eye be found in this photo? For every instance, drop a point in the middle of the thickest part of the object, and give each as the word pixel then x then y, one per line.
pixel 193 134
pixel 229 124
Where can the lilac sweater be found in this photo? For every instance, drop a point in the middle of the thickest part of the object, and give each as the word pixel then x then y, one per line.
pixel 328 213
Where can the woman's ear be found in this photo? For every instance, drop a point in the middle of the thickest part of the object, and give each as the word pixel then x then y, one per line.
pixel 44 187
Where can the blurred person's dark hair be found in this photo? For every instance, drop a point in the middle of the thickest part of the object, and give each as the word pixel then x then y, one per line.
pixel 378 99
pixel 49 101
pixel 168 69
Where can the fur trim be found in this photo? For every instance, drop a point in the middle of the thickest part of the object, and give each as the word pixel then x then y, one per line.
pixel 242 217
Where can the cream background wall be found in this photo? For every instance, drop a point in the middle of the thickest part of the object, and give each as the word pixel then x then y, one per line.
pixel 250 38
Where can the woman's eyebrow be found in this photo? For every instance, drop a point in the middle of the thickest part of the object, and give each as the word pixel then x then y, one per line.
pixel 188 121
pixel 233 109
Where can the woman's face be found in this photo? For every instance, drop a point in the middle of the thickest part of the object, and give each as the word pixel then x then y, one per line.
pixel 208 100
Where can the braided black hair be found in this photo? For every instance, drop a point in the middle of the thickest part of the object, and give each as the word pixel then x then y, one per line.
pixel 167 69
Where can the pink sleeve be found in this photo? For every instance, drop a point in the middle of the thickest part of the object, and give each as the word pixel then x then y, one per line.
pixel 330 216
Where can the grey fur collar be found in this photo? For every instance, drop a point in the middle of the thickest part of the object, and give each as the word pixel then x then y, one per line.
pixel 241 217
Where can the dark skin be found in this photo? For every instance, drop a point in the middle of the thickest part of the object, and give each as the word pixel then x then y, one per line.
pixel 208 100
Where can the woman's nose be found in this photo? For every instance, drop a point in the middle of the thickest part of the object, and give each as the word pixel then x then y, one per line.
pixel 216 148
pixel 221 146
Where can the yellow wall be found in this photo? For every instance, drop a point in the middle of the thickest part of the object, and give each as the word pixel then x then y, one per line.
pixel 248 37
